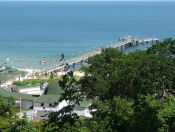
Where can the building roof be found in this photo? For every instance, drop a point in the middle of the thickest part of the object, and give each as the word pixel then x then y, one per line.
pixel 47 99
pixel 15 95
pixel 28 86
pixel 53 88
pixel 41 99
pixel 85 103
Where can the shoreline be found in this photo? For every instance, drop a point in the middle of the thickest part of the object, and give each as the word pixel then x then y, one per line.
pixel 28 70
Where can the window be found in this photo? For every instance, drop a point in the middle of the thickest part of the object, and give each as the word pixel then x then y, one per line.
pixel 55 103
pixel 42 104
pixel 50 105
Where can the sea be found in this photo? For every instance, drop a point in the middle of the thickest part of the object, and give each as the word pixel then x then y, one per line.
pixel 35 31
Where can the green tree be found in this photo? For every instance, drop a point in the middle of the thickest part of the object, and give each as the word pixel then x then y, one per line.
pixel 153 114
pixel 24 125
pixel 131 92
pixel 7 108
pixel 165 48
pixel 128 75
pixel 115 115
pixel 7 113
pixel 65 118
pixel 10 122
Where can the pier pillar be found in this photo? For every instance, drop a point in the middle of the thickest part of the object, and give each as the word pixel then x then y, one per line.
pixel 19 78
pixel 152 41
pixel 121 48
pixel 73 65
pixel 137 42
pixel 81 62
pixel 65 68
pixel 88 60
pixel 130 44
pixel 126 45
pixel 85 61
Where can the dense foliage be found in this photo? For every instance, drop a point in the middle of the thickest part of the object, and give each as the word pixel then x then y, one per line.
pixel 132 92
pixel 10 122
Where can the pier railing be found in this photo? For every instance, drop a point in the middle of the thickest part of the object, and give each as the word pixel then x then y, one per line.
pixel 129 41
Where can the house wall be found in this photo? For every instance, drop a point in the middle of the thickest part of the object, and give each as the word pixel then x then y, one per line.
pixel 38 107
pixel 46 107
pixel 82 111
pixel 25 104
pixel 28 89
pixel 33 91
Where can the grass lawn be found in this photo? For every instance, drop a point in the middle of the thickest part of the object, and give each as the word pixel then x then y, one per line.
pixel 54 88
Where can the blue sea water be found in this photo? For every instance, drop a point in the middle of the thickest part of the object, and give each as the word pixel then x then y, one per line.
pixel 34 31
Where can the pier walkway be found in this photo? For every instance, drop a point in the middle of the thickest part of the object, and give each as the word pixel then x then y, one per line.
pixel 126 42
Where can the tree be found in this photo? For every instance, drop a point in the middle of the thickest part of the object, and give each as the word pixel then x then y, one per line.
pixel 9 121
pixel 114 115
pixel 7 113
pixel 71 94
pixel 165 48
pixel 7 108
pixel 128 75
pixel 153 114
pixel 24 125
pixel 131 92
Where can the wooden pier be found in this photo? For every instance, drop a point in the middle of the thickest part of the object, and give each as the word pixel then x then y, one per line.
pixel 126 42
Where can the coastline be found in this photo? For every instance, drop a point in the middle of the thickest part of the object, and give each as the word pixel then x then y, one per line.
pixel 28 70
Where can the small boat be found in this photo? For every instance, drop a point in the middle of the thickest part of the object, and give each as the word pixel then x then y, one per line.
pixel 42 61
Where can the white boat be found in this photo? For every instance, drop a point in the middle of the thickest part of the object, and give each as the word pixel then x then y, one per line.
pixel 43 61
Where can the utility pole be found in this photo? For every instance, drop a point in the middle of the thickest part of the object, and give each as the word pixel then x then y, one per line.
pixel 20 105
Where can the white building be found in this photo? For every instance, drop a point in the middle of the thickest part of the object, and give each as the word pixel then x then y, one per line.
pixel 50 103
pixel 83 109
pixel 44 103
pixel 36 89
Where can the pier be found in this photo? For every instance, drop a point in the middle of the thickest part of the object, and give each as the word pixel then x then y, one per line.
pixel 125 42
